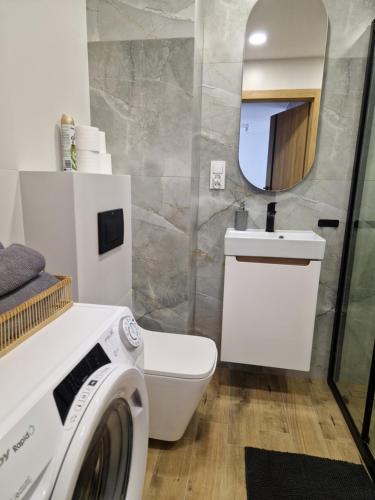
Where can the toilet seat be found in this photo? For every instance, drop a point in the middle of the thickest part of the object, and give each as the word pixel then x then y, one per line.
pixel 178 356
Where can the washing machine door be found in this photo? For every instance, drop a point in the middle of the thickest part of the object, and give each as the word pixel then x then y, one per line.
pixel 107 451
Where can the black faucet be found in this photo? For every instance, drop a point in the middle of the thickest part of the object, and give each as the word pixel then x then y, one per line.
pixel 271 212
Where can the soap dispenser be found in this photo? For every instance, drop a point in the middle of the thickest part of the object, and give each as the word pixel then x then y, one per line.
pixel 240 218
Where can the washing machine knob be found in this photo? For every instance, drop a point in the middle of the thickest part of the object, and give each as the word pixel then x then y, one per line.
pixel 129 332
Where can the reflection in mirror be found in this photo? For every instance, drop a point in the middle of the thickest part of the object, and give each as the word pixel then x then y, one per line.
pixel 283 67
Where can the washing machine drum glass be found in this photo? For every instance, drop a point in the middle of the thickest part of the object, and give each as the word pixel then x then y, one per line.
pixel 105 470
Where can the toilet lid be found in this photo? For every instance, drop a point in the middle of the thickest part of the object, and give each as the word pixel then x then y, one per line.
pixel 181 356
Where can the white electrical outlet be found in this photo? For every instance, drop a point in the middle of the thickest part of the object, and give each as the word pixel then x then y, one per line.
pixel 217 175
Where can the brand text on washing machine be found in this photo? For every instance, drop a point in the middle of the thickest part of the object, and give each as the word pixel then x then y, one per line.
pixel 22 488
pixel 4 457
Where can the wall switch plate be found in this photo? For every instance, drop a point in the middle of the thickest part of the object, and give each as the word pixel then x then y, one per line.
pixel 217 175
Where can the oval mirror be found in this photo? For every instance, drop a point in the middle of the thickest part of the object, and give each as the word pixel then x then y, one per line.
pixel 283 67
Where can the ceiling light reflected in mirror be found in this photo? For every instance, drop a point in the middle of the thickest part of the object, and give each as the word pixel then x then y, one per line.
pixel 258 38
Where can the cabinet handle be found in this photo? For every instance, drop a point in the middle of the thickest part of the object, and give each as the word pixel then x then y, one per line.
pixel 274 260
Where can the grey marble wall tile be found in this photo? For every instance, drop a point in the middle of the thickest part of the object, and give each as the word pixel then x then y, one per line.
pixel 367 212
pixel 363 274
pixel 324 194
pixel 119 20
pixel 330 267
pixel 199 31
pixel 195 156
pixel 208 317
pixel 193 243
pixel 167 316
pixel 140 91
pixel 92 11
pixel 163 200
pixel 161 256
pixel 197 99
pixel 370 160
pixel 339 118
pixel 221 101
pixel 349 23
pixel 165 60
pixel 358 341
pixel 225 25
pixel 142 95
pixel 321 344
pixel 225 81
pixel 315 199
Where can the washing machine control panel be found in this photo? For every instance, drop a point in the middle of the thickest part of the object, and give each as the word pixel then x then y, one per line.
pixel 129 332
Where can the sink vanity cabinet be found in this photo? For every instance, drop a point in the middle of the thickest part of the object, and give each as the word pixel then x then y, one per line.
pixel 272 277
pixel 270 295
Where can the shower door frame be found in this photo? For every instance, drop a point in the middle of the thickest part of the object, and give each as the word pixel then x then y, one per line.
pixel 360 435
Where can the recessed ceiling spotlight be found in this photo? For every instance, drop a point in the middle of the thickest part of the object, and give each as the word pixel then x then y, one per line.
pixel 257 38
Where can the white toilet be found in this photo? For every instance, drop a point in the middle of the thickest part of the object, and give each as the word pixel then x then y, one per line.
pixel 177 369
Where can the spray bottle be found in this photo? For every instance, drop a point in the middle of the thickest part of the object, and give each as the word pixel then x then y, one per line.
pixel 69 153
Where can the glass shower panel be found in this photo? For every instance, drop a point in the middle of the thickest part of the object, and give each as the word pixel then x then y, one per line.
pixel 369 212
pixel 359 329
pixel 357 322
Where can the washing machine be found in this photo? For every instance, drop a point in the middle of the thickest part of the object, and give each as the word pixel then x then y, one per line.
pixel 74 410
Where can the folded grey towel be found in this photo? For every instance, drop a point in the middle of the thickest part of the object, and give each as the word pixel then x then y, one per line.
pixel 18 265
pixel 26 292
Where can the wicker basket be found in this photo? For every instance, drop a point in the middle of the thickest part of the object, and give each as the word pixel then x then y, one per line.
pixel 24 320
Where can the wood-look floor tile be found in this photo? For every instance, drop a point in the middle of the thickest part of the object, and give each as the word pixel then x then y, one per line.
pixel 217 401
pixel 217 469
pixel 242 409
pixel 168 473
pixel 152 460
pixel 343 450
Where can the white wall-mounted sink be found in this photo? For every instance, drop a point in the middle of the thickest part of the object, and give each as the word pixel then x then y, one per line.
pixel 282 244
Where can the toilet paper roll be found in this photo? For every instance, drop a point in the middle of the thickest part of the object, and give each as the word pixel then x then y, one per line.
pixel 105 163
pixel 88 168
pixel 88 162
pixel 87 138
pixel 102 143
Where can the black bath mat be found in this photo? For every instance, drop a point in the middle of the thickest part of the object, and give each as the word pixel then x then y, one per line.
pixel 271 475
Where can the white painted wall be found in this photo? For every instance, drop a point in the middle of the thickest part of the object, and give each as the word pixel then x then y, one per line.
pixel 11 222
pixel 254 139
pixel 273 74
pixel 44 73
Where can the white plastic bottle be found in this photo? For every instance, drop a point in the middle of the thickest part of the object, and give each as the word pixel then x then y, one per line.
pixel 69 154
